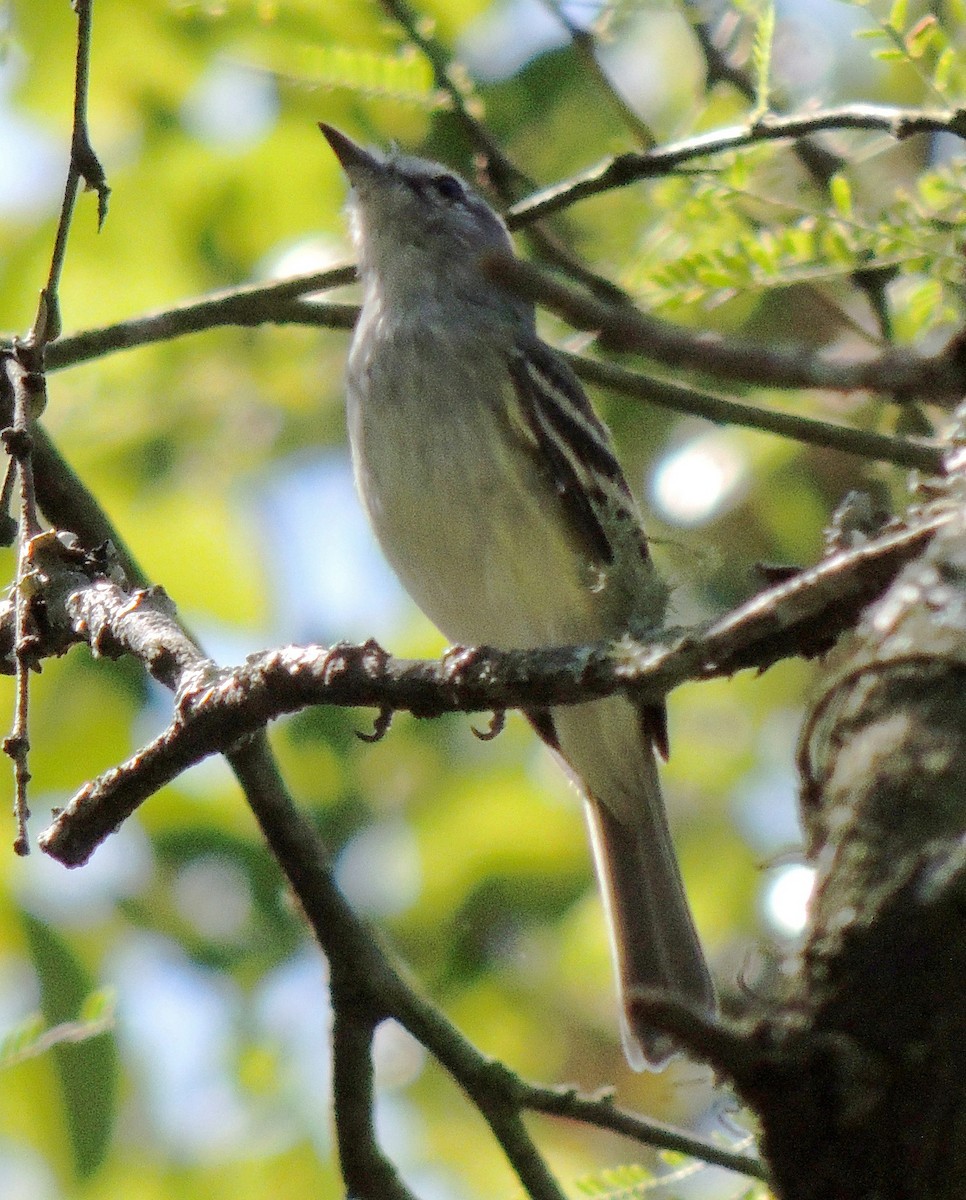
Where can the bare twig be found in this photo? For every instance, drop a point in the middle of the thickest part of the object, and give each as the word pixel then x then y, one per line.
pixel 27 387
pixel 586 50
pixel 720 67
pixel 24 368
pixel 504 174
pixel 84 167
pixel 624 169
pixel 279 303
pixel 939 378
pixel 915 453
pixel 603 1113
pixel 506 1120
pixel 367 1173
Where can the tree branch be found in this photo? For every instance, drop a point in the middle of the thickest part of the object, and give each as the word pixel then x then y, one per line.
pixel 216 709
pixel 603 1113
pixel 633 166
pixel 279 303
pixel 938 378
pixel 25 387
pixel 368 1174
pixel 84 166
pixel 24 395
pixel 348 943
pixel 915 453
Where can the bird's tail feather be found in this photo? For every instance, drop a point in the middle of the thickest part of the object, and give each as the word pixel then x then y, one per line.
pixel 653 938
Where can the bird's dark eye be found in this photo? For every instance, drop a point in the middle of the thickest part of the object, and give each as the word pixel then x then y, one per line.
pixel 449 187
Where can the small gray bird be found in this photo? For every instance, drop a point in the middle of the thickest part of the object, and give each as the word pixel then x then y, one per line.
pixel 495 494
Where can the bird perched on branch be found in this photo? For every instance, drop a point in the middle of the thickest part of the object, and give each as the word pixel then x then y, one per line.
pixel 495 494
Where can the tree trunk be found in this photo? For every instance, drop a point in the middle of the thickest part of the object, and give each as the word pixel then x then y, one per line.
pixel 861 1092
pixel 859 1079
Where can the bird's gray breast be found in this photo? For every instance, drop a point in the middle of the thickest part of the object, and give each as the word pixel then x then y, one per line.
pixel 469 520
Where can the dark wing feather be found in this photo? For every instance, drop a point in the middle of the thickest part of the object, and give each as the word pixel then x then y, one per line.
pixel 575 445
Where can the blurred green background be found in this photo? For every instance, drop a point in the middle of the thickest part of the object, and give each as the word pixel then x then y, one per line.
pixel 221 458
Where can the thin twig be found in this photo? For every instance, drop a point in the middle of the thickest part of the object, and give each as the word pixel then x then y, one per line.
pixel 586 50
pixel 25 386
pixel 719 66
pixel 603 1113
pixel 624 169
pixel 257 304
pixel 900 374
pixel 820 162
pixel 521 1151
pixel 917 454
pixel 24 365
pixel 279 302
pixel 501 169
pixel 84 166
pixel 366 1171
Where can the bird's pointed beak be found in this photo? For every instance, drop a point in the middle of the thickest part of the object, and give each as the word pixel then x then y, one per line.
pixel 352 158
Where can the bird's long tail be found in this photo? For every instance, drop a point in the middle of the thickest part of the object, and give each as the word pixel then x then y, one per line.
pixel 653 938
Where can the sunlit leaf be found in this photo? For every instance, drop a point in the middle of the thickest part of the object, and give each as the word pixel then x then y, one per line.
pixel 761 53
pixel 922 36
pixel 899 15
pixel 945 64
pixel 841 193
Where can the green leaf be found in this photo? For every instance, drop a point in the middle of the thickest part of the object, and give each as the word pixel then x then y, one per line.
pixel 19 1042
pixel 628 1182
pixel 404 76
pixel 841 192
pixel 88 1069
pixel 943 71
pixel 899 15
pixel 98 1007
pixel 761 53
pixel 922 35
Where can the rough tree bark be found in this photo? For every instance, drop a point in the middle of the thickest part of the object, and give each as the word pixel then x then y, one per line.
pixel 860 1080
